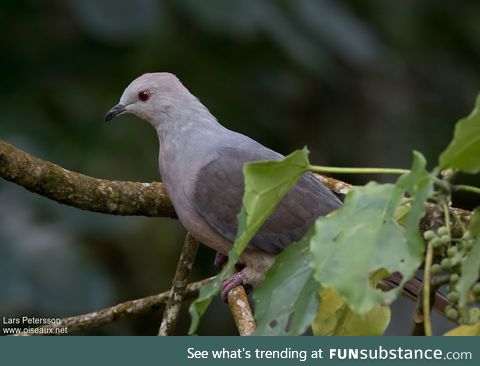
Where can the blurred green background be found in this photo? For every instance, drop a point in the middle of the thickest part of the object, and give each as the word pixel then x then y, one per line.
pixel 362 83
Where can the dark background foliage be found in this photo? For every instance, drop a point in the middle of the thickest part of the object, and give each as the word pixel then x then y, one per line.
pixel 362 83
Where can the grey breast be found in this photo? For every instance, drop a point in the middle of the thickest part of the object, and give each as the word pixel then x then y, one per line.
pixel 219 189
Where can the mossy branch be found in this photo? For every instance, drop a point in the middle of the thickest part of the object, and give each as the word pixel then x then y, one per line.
pixel 81 191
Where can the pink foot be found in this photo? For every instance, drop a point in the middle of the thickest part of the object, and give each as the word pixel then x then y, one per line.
pixel 238 279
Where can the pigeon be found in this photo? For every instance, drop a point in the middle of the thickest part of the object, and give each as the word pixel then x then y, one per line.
pixel 201 165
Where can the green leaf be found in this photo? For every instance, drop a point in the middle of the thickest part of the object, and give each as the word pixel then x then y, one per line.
pixel 334 318
pixel 419 185
pixel 363 237
pixel 470 273
pixel 402 212
pixel 475 222
pixel 464 150
pixel 465 330
pixel 266 183
pixel 286 301
pixel 470 267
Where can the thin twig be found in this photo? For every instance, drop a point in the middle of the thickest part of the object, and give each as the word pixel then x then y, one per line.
pixel 466 188
pixel 177 292
pixel 426 291
pixel 241 311
pixel 108 315
pixel 418 319
pixel 437 301
pixel 342 170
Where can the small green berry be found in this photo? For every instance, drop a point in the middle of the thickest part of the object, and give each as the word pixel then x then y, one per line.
pixel 454 278
pixel 445 239
pixel 468 244
pixel 456 260
pixel 476 289
pixel 453 296
pixel 452 314
pixel 436 242
pixel 446 263
pixel 467 235
pixel 442 230
pixel 452 251
pixel 474 315
pixel 436 269
pixel 429 235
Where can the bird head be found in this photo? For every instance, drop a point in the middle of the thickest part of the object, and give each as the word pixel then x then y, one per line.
pixel 150 96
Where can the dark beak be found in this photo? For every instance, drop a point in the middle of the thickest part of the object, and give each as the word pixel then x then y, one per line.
pixel 115 111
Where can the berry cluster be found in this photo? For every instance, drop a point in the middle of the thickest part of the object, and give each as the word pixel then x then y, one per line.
pixel 450 253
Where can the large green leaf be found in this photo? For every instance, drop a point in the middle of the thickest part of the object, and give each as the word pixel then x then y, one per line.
pixel 470 274
pixel 286 302
pixel 266 183
pixel 363 237
pixel 360 239
pixel 419 185
pixel 470 270
pixel 475 222
pixel 464 151
pixel 334 318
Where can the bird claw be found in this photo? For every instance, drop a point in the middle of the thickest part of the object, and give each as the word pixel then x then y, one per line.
pixel 230 283
pixel 238 279
pixel 220 260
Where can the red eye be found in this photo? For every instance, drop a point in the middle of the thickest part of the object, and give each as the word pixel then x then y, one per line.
pixel 144 95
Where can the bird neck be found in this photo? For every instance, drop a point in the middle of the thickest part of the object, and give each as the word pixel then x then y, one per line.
pixel 181 131
pixel 184 119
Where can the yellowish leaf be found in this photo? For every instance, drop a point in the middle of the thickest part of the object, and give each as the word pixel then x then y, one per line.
pixel 465 330
pixel 335 318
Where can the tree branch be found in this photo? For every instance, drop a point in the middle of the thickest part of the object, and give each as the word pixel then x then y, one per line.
pixel 241 311
pixel 333 184
pixel 120 311
pixel 81 191
pixel 177 292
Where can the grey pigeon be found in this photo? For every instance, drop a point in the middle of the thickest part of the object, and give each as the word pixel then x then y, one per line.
pixel 201 166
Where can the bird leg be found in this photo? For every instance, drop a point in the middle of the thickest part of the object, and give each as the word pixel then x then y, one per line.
pixel 230 283
pixel 238 279
pixel 251 269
